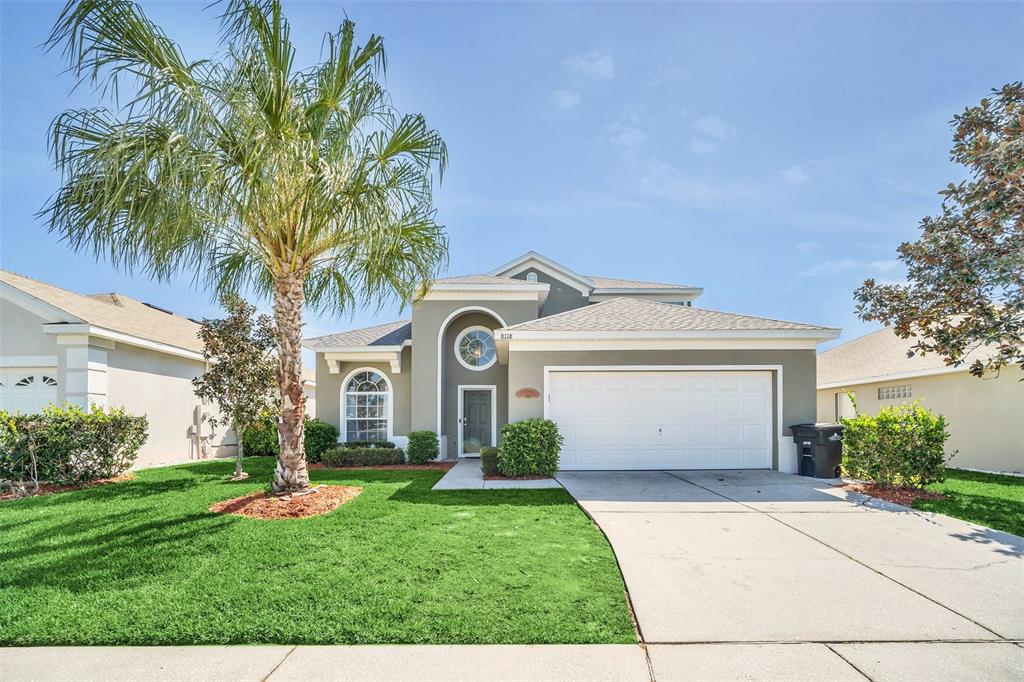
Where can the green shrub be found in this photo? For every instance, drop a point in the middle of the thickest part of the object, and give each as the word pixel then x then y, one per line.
pixel 369 444
pixel 529 447
pixel 71 445
pixel 423 447
pixel 320 437
pixel 363 457
pixel 262 440
pixel 489 461
pixel 900 446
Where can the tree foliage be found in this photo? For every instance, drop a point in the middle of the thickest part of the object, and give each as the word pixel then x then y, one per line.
pixel 241 375
pixel 304 185
pixel 965 274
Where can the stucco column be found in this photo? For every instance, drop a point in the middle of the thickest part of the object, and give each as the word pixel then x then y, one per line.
pixel 85 371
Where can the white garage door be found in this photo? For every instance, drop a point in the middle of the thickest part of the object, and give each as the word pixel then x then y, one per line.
pixel 662 419
pixel 27 389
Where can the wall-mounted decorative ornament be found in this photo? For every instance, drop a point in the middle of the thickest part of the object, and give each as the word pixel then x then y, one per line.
pixel 527 393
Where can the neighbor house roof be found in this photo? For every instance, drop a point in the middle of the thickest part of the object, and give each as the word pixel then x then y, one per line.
pixel 113 311
pixel 878 356
pixel 388 334
pixel 637 315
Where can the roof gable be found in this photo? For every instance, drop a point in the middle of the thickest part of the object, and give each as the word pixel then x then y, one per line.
pixel 115 312
pixel 542 263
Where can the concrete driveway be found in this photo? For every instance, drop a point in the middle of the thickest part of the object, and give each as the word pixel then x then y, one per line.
pixel 762 575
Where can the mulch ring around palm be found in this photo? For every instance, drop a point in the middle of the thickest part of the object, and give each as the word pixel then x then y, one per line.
pixel 317 501
pixel 904 496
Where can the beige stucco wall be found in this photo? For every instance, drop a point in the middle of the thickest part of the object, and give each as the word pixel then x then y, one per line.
pixel 526 370
pixel 986 416
pixel 159 386
pixel 328 391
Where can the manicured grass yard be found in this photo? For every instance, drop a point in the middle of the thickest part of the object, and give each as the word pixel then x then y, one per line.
pixel 144 562
pixel 989 499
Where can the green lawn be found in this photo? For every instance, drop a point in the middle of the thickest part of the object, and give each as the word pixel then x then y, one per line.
pixel 144 562
pixel 989 499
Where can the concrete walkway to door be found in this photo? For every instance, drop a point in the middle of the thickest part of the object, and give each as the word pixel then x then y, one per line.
pixel 778 575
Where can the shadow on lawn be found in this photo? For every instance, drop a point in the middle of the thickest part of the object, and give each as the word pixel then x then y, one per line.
pixel 127 555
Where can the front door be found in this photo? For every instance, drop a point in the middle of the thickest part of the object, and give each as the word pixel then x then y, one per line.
pixel 476 420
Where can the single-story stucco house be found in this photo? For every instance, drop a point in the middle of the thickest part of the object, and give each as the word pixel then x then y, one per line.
pixel 986 415
pixel 633 374
pixel 57 346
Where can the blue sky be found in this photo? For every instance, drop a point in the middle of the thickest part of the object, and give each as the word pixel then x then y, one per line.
pixel 774 153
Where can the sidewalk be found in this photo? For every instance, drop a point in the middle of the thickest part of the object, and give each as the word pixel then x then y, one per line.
pixel 583 663
pixel 466 475
pixel 764 662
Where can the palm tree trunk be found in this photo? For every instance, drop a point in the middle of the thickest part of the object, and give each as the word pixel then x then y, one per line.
pixel 291 474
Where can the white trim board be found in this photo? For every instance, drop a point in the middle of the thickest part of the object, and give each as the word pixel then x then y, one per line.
pixel 121 337
pixel 440 354
pixel 884 378
pixel 777 369
pixel 494 413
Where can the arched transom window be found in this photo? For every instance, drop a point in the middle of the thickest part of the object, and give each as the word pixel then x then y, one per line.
pixel 366 406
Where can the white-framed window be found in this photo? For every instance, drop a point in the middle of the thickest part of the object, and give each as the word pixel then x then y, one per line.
pixel 894 392
pixel 475 349
pixel 531 277
pixel 366 406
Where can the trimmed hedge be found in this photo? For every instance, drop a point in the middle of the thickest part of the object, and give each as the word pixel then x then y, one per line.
pixel 71 445
pixel 903 445
pixel 423 447
pixel 369 444
pixel 489 461
pixel 529 447
pixel 363 457
pixel 262 440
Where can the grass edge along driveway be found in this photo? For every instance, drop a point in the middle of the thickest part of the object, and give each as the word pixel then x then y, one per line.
pixel 144 562
pixel 993 500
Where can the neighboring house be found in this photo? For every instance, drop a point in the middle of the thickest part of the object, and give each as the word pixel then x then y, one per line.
pixel 986 416
pixel 634 376
pixel 57 346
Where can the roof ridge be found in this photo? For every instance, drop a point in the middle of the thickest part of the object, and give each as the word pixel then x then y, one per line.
pixel 756 317
pixel 589 307
pixel 642 281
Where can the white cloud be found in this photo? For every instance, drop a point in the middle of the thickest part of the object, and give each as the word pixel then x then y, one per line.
pixel 593 65
pixel 623 134
pixel 829 267
pixel 713 126
pixel 699 145
pixel 667 182
pixel 885 265
pixel 564 99
pixel 661 74
pixel 834 267
pixel 807 247
pixel 794 175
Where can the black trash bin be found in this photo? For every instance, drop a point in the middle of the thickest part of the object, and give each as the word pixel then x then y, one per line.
pixel 819 449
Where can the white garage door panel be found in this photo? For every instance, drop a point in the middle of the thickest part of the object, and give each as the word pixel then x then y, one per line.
pixel 663 419
pixel 27 389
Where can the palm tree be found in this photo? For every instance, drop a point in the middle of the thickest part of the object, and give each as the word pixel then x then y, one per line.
pixel 305 186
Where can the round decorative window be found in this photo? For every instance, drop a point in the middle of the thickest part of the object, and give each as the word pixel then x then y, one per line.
pixel 475 348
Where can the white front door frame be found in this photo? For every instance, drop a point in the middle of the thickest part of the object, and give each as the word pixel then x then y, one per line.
pixel 494 413
pixel 779 442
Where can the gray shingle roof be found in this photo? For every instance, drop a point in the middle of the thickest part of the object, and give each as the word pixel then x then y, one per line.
pixel 388 334
pixel 615 283
pixel 477 279
pixel 630 314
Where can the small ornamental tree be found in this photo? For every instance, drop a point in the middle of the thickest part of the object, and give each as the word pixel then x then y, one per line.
pixel 965 273
pixel 242 370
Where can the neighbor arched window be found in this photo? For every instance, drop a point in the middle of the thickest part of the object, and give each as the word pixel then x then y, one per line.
pixel 367 406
